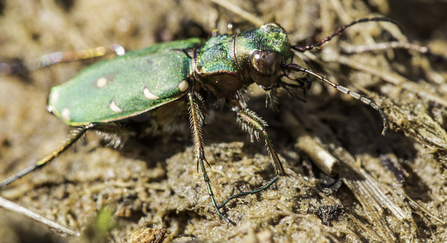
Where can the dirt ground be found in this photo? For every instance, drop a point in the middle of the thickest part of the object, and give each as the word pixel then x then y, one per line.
pixel 389 188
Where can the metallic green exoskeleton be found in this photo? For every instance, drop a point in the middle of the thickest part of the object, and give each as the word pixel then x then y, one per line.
pixel 169 78
pixel 126 86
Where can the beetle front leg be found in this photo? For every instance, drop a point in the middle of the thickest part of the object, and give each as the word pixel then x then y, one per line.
pixel 197 119
pixel 254 124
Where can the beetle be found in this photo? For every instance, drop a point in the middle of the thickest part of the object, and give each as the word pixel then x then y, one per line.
pixel 158 83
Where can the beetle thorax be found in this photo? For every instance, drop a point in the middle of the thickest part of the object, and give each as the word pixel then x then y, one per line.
pixel 216 69
pixel 227 63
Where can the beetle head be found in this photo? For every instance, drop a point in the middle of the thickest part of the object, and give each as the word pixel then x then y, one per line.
pixel 261 53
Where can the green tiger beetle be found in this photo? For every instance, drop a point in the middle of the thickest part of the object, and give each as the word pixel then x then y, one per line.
pixel 168 78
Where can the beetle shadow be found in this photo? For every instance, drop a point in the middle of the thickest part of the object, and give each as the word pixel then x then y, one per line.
pixel 154 148
pixel 162 145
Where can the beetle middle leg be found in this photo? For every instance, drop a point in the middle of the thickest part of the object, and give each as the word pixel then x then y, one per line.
pixel 197 119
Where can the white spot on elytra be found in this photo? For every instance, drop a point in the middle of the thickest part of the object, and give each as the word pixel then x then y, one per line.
pixel 54 97
pixel 66 114
pixel 149 95
pixel 114 107
pixel 183 86
pixel 101 82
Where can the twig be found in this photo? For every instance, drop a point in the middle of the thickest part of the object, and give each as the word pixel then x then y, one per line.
pixel 21 210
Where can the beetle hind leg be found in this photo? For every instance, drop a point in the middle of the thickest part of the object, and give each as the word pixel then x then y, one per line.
pixel 41 163
pixel 57 57
pixel 197 119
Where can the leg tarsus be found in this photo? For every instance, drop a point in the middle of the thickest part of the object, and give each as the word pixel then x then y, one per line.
pixel 210 193
pixel 249 192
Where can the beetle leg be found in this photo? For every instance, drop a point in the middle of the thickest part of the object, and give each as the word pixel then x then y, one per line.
pixel 56 57
pixel 197 119
pixel 114 134
pixel 254 124
pixel 39 164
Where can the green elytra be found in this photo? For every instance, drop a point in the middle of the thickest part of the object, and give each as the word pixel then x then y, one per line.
pixel 168 78
pixel 124 87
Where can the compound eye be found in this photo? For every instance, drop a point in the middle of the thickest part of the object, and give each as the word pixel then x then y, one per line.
pixel 266 63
